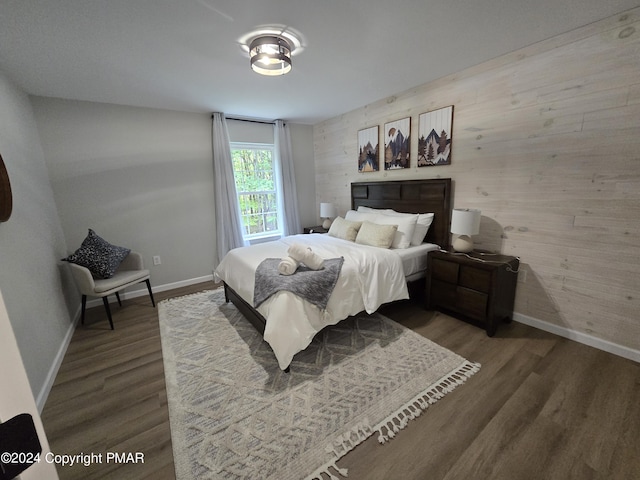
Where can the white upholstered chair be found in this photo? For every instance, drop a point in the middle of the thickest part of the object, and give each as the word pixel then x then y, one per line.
pixel 130 272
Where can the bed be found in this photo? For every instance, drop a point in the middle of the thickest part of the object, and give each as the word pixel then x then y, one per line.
pixel 289 323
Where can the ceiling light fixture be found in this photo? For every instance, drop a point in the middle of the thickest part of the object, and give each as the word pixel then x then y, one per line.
pixel 270 55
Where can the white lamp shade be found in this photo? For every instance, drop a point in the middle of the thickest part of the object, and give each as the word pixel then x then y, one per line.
pixel 328 210
pixel 465 221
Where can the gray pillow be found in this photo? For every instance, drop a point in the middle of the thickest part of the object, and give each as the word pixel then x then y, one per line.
pixel 98 255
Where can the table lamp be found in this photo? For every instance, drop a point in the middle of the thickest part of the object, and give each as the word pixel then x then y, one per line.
pixel 328 212
pixel 464 223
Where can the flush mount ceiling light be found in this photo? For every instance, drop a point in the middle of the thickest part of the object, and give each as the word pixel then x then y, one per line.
pixel 270 55
pixel 270 48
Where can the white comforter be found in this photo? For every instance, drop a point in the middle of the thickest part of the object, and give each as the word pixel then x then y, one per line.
pixel 370 276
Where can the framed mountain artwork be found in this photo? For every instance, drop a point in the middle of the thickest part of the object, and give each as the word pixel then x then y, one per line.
pixel 434 137
pixel 397 144
pixel 368 154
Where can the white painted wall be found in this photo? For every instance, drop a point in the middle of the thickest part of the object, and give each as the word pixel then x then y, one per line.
pixel 140 178
pixel 143 178
pixel 38 292
pixel 302 149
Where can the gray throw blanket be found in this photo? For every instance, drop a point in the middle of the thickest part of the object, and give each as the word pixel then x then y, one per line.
pixel 315 286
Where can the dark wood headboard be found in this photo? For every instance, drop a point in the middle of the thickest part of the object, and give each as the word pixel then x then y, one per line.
pixel 410 196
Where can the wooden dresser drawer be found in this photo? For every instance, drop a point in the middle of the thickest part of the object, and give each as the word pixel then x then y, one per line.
pixel 443 293
pixel 472 303
pixel 475 278
pixel 445 271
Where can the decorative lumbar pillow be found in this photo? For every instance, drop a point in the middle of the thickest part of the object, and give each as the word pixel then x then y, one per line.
pixel 98 255
pixel 376 235
pixel 344 229
pixel 406 225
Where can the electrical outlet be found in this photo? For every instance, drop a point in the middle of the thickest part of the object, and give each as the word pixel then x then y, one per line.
pixel 156 260
pixel 522 276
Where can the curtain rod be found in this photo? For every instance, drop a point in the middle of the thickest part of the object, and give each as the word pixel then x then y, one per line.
pixel 247 120
pixel 251 121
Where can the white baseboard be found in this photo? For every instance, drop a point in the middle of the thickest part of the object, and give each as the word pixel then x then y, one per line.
pixel 57 361
pixel 139 292
pixel 579 337
pixel 142 291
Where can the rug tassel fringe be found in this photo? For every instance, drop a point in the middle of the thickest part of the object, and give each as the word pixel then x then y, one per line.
pixel 340 447
pixel 350 440
pixel 388 428
pixel 326 470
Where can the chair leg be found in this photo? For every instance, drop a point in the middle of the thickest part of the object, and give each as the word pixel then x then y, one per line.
pixel 118 297
pixel 105 300
pixel 153 302
pixel 84 306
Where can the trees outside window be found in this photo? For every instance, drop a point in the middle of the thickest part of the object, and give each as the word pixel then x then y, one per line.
pixel 254 170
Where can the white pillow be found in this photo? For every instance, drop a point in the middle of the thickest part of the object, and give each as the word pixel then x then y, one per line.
pixel 376 235
pixel 422 227
pixel 344 229
pixel 362 208
pixel 358 216
pixel 406 226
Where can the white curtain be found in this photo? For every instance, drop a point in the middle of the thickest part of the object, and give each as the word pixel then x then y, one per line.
pixel 228 220
pixel 289 194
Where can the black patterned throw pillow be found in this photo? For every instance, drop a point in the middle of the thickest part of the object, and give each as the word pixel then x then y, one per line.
pixel 98 255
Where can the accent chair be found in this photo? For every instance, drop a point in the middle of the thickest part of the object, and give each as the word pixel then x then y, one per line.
pixel 130 272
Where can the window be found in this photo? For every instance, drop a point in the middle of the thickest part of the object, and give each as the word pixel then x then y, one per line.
pixel 255 173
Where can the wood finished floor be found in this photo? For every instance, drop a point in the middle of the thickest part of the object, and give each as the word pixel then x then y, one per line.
pixel 541 407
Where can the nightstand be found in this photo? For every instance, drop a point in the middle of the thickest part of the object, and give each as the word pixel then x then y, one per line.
pixel 316 229
pixel 477 286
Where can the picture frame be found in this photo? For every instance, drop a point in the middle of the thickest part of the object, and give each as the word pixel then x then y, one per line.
pixel 368 150
pixel 6 198
pixel 435 137
pixel 397 144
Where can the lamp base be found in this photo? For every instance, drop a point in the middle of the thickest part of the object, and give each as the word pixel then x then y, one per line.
pixel 327 223
pixel 463 244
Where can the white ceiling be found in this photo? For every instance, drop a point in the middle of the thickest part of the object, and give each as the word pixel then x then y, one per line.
pixel 185 54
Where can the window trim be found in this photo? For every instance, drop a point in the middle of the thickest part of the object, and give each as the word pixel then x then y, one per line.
pixel 274 234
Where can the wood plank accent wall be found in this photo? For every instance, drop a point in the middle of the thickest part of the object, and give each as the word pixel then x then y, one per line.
pixel 546 142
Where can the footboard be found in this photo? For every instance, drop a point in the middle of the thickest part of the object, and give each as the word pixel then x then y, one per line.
pixel 250 313
pixel 416 291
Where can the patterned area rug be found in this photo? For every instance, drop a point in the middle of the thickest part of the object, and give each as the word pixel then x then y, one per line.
pixel 235 415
